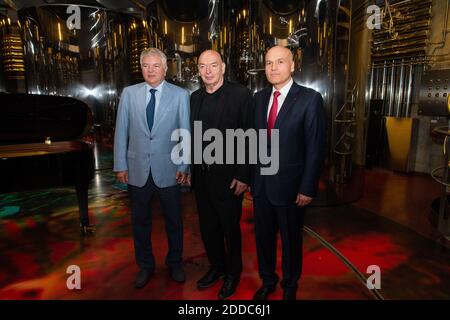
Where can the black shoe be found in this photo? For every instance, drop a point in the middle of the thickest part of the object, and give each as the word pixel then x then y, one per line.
pixel 263 292
pixel 289 295
pixel 210 278
pixel 143 277
pixel 229 287
pixel 177 274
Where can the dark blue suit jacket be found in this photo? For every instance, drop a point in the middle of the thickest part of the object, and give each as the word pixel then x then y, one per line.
pixel 302 139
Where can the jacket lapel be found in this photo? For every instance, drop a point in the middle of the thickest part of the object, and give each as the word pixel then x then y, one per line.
pixel 290 100
pixel 141 96
pixel 163 105
pixel 265 106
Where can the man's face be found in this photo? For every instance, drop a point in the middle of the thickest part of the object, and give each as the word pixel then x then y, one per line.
pixel 211 68
pixel 153 70
pixel 279 65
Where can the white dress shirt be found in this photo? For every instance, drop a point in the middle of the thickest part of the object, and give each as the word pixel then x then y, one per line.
pixel 284 92
pixel 157 94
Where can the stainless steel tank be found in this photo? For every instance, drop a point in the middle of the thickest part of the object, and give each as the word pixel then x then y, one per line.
pixel 181 29
pixel 92 63
pixel 95 62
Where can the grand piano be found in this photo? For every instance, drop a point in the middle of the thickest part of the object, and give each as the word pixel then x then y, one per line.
pixel 45 142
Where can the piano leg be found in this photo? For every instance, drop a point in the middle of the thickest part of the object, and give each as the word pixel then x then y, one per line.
pixel 82 197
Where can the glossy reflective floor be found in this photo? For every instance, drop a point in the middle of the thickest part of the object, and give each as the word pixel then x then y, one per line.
pixel 388 227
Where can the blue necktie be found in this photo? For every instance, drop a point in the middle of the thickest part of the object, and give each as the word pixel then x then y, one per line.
pixel 151 109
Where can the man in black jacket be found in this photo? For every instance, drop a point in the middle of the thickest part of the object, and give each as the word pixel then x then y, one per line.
pixel 219 187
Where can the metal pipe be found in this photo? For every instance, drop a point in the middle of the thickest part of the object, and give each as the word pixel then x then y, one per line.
pixel 421 35
pixel 382 91
pixel 374 84
pixel 396 52
pixel 371 84
pixel 407 36
pixel 412 15
pixel 383 82
pixel 395 55
pixel 386 92
pixel 405 30
pixel 421 26
pixel 213 19
pixel 403 44
pixel 400 47
pixel 405 90
pixel 406 25
pixel 418 62
pixel 410 59
pixel 406 4
pixel 408 97
pixel 400 91
pixel 378 59
pixel 410 37
pixel 419 8
pixel 420 19
pixel 409 2
pixel 391 92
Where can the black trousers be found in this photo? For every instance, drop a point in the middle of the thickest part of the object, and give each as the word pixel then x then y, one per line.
pixel 270 219
pixel 141 218
pixel 219 217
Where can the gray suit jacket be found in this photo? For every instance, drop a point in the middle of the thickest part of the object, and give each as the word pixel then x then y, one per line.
pixel 138 150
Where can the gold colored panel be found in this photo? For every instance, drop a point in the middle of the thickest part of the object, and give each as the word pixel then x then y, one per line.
pixel 399 134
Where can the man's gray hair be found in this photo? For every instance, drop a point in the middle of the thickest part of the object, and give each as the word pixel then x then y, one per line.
pixel 154 52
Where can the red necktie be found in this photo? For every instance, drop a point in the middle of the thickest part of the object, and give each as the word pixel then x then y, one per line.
pixel 273 111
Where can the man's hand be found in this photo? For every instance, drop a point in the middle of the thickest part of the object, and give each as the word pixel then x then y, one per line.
pixel 302 200
pixel 182 178
pixel 188 182
pixel 240 187
pixel 122 176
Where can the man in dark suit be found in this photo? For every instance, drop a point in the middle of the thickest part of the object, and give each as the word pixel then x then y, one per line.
pixel 219 187
pixel 279 199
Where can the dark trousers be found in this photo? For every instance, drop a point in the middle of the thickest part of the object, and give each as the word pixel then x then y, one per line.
pixel 141 218
pixel 289 221
pixel 219 217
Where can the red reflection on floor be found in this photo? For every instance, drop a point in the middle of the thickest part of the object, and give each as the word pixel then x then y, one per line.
pixel 40 244
pixel 38 252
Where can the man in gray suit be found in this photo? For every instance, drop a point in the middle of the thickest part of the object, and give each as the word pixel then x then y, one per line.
pixel 149 112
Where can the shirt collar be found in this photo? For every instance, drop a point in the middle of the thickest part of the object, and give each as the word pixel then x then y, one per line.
pixel 158 88
pixel 285 90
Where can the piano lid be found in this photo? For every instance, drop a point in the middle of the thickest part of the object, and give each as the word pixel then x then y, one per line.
pixel 31 118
